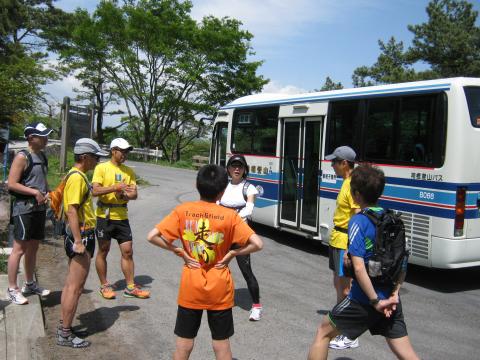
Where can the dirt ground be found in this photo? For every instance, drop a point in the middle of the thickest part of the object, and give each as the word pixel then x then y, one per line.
pixel 51 270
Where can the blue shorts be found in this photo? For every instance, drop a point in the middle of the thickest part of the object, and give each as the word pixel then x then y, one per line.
pixel 335 260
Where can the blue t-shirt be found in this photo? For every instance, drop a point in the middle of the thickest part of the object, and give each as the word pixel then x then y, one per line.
pixel 361 238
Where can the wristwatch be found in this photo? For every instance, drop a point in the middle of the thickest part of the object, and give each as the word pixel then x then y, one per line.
pixel 374 302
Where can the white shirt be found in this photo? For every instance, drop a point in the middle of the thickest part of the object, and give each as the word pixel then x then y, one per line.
pixel 233 195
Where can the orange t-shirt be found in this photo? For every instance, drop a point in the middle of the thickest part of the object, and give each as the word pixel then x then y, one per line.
pixel 207 232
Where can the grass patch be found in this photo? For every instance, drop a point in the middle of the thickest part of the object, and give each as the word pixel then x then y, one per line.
pixel 3 262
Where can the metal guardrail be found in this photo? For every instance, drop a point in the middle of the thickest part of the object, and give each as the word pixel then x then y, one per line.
pixel 198 161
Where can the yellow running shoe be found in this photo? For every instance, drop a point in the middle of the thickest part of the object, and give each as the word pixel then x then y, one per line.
pixel 136 292
pixel 107 292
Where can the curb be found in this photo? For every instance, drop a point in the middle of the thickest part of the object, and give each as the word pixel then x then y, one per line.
pixel 20 325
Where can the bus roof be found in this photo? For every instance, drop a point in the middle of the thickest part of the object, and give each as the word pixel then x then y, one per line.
pixel 262 100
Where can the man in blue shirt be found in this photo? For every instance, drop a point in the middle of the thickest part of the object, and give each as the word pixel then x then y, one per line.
pixel 367 307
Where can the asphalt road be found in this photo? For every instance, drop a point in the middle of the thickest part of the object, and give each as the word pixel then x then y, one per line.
pixel 441 307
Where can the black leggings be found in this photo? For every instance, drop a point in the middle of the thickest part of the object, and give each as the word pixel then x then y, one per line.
pixel 245 266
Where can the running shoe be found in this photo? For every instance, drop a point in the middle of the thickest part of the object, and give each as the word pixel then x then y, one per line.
pixel 16 297
pixel 107 292
pixel 136 292
pixel 71 340
pixel 341 342
pixel 33 288
pixel 256 313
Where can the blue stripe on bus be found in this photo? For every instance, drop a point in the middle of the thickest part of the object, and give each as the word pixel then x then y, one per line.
pixel 367 93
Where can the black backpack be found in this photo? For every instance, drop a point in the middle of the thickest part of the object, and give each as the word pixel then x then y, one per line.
pixel 390 252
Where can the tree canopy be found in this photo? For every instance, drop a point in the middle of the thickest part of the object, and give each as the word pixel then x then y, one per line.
pixel 23 68
pixel 168 69
pixel 449 42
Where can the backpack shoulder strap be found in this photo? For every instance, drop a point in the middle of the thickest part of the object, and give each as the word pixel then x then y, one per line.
pixel 373 216
pixel 29 167
pixel 45 159
pixel 85 197
pixel 246 184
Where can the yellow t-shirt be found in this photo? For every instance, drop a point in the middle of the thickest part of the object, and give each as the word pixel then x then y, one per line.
pixel 344 211
pixel 74 194
pixel 107 174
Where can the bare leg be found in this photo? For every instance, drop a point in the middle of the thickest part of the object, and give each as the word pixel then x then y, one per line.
pixel 101 260
pixel 342 286
pixel 30 259
pixel 402 348
pixel 183 348
pixel 222 349
pixel 19 248
pixel 128 267
pixel 77 274
pixel 325 333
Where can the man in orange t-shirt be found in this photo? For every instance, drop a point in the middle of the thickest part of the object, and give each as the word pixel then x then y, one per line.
pixel 207 232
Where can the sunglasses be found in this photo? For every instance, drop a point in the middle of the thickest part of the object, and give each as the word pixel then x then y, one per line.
pixel 336 161
pixel 123 151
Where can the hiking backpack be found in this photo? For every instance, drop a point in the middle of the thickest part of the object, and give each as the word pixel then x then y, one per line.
pixel 390 252
pixel 28 170
pixel 56 203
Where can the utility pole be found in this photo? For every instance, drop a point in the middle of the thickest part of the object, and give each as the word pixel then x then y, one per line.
pixel 63 138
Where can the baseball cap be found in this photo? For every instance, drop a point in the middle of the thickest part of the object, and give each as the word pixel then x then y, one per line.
pixel 88 146
pixel 343 153
pixel 121 144
pixel 237 158
pixel 37 128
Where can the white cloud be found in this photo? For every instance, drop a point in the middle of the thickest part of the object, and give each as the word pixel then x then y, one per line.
pixel 275 19
pixel 277 88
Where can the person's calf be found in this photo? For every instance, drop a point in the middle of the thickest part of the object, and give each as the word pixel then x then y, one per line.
pixel 222 349
pixel 183 348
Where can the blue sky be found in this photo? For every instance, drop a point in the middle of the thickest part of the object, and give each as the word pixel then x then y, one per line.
pixel 303 41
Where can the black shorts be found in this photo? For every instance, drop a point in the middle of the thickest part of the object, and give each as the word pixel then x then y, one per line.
pixel 29 226
pixel 219 321
pixel 118 229
pixel 352 319
pixel 88 239
pixel 335 260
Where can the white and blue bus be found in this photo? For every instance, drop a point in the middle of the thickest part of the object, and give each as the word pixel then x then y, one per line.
pixel 424 135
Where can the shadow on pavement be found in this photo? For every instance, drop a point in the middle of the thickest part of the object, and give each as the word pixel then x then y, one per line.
pixel 444 280
pixel 3 304
pixel 295 241
pixel 142 280
pixel 102 318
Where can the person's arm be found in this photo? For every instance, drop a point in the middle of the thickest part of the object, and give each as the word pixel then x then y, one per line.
pixel 155 238
pixel 384 306
pixel 74 224
pixel 254 244
pixel 98 189
pixel 247 210
pixel 16 170
pixel 130 192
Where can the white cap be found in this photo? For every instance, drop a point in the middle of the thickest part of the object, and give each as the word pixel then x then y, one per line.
pixel 121 144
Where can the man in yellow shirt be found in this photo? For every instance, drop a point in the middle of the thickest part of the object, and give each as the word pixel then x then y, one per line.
pixel 115 185
pixel 343 162
pixel 80 238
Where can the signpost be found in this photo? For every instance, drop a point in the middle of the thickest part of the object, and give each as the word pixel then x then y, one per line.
pixel 77 122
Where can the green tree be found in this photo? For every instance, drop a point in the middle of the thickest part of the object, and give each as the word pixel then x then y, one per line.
pixel 449 41
pixel 23 67
pixel 82 53
pixel 393 65
pixel 330 85
pixel 168 69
